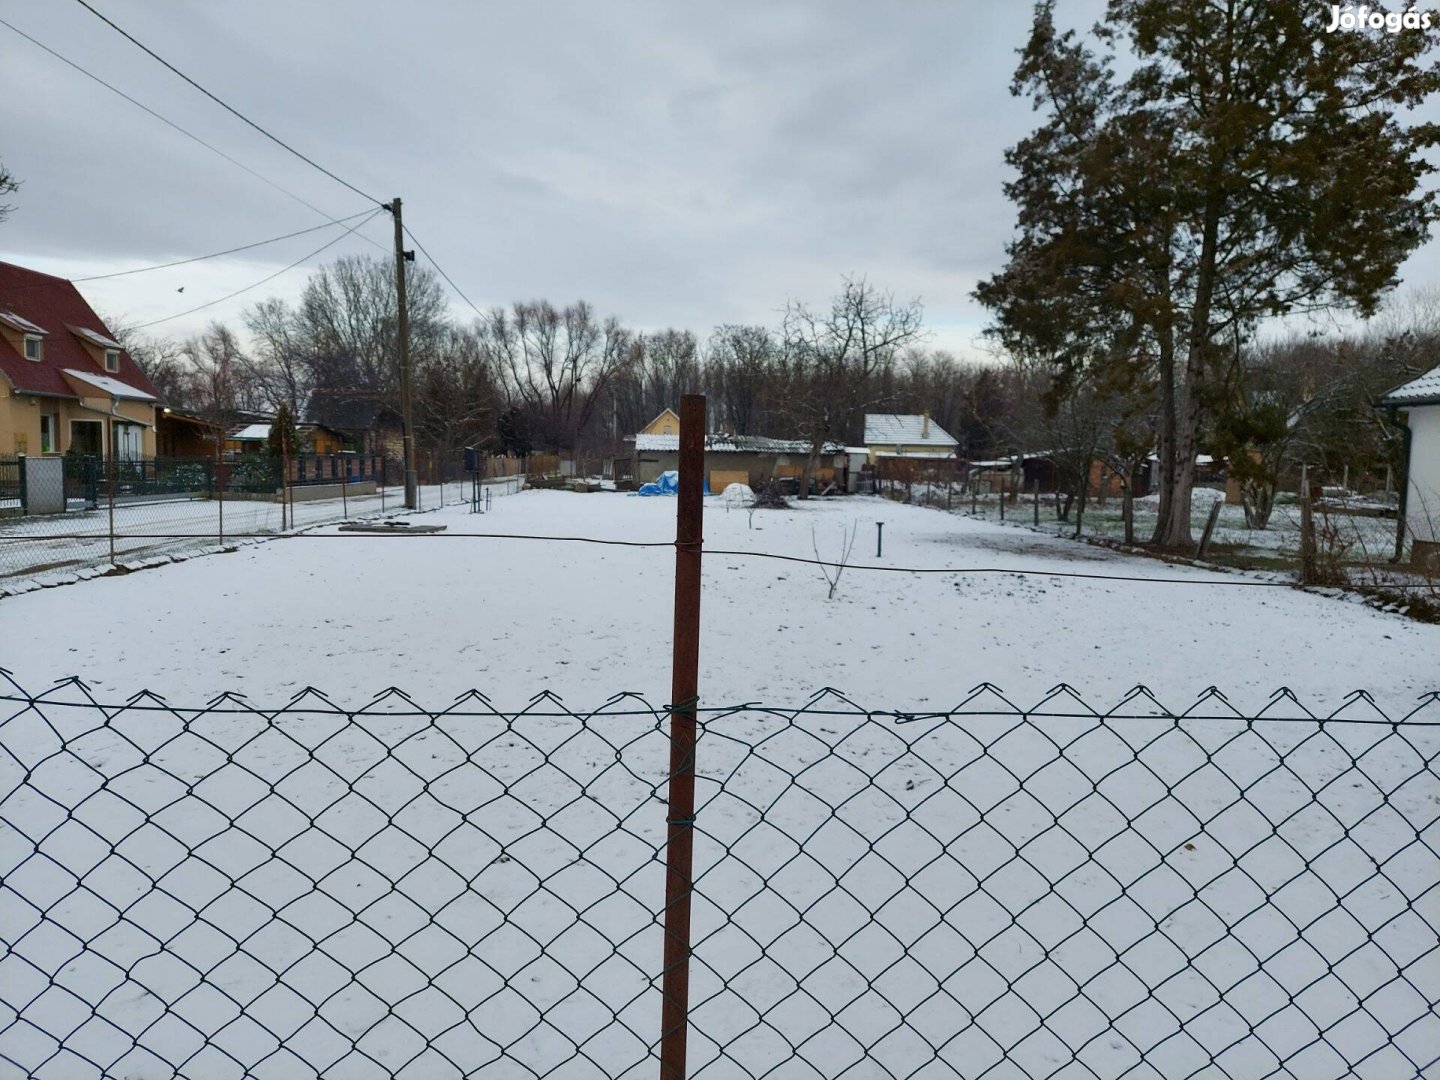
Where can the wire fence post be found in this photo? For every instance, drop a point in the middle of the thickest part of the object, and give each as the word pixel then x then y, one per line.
pixel 110 501
pixel 220 478
pixel 1309 562
pixel 684 688
pixel 285 482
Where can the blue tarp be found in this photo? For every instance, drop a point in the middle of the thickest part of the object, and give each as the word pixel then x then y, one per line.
pixel 668 484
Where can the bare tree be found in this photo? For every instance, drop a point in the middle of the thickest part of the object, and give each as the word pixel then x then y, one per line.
pixel 8 185
pixel 347 320
pixel 837 357
pixel 282 360
pixel 559 364
pixel 743 373
pixel 164 363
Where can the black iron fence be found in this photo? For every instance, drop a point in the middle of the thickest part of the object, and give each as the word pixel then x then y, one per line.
pixel 984 891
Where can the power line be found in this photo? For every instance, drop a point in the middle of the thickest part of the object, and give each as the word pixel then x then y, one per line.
pixel 441 271
pixel 171 124
pixel 212 255
pixel 269 277
pixel 223 104
pixel 228 251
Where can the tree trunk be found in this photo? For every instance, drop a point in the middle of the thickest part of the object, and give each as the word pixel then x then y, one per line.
pixel 812 462
pixel 1127 509
pixel 1172 530
pixel 1257 497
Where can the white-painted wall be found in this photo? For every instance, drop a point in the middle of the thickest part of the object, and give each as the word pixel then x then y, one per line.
pixel 1422 499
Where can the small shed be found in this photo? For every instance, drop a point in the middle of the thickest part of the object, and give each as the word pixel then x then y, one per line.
pixel 740 459
pixel 1416 406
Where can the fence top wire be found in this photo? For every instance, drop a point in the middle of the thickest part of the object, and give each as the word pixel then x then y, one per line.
pixel 984 700
pixel 1147 579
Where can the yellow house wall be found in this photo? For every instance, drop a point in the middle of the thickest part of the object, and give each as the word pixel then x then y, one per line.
pixel 323 442
pixel 20 420
pixel 667 423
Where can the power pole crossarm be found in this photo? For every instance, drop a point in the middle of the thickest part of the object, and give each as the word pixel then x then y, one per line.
pixel 407 419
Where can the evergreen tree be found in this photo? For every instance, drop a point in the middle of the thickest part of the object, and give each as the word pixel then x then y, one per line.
pixel 284 438
pixel 1249 165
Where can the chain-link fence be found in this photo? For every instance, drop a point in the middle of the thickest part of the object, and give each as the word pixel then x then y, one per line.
pixel 75 513
pixel 985 891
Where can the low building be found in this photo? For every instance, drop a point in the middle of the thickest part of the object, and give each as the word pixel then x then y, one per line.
pixel 317 439
pixel 66 384
pixel 741 459
pixel 1416 405
pixel 180 434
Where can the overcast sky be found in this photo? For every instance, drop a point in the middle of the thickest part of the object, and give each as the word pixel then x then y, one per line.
pixel 676 164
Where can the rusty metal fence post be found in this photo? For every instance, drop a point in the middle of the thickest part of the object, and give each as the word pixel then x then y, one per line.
pixel 684 690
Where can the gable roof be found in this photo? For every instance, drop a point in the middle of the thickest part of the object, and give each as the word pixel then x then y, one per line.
pixel 1422 391
pixel 652 428
pixel 900 429
pixel 53 306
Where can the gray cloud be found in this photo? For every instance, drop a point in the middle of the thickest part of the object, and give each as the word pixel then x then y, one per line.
pixel 676 164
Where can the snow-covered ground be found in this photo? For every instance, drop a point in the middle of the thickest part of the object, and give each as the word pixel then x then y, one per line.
pixel 1363 541
pixel 52 546
pixel 1042 895
pixel 437 616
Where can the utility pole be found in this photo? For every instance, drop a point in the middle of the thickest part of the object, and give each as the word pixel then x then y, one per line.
pixel 407 419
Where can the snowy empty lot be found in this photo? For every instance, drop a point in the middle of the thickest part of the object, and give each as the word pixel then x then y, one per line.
pixel 319 891
pixel 512 618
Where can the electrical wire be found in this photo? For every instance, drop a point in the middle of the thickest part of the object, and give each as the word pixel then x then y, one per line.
pixel 269 277
pixel 441 270
pixel 729 552
pixel 172 124
pixel 223 104
pixel 203 258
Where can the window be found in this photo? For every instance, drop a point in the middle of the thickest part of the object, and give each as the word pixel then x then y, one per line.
pixel 128 440
pixel 112 359
pixel 32 347
pixel 49 430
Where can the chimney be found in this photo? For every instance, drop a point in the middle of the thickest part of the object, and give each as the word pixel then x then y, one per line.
pixel 925 426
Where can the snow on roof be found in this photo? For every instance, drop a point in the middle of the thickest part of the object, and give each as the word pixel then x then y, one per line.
pixel 897 428
pixel 21 324
pixel 251 433
pixel 1422 391
pixel 734 444
pixel 95 338
pixel 937 455
pixel 114 387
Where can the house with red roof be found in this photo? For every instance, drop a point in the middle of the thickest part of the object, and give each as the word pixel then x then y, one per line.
pixel 65 382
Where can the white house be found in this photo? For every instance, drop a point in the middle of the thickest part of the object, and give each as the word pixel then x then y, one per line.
pixel 899 435
pixel 1419 400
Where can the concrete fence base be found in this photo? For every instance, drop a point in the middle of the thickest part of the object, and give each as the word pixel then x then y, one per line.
pixel 315 492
